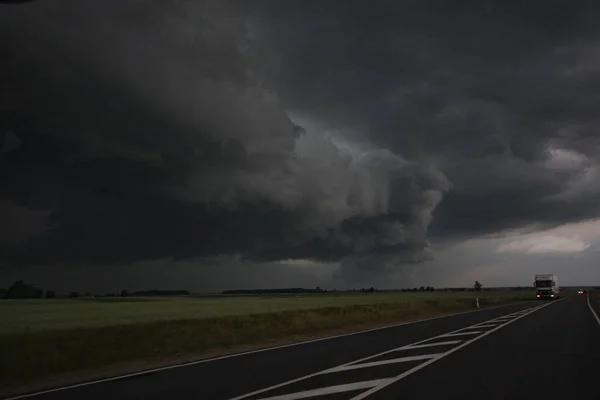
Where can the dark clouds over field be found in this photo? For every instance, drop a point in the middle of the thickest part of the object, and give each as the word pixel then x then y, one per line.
pixel 362 135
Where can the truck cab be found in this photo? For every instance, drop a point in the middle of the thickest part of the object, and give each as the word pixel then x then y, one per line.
pixel 546 287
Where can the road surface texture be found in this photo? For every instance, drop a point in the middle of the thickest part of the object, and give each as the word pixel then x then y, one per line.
pixel 519 351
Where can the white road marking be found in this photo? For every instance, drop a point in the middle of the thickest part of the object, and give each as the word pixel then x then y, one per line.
pixel 462 333
pixel 245 353
pixel 328 390
pixel 385 362
pixel 427 363
pixel 501 321
pixel 485 326
pixel 592 309
pixel 420 346
pixel 333 369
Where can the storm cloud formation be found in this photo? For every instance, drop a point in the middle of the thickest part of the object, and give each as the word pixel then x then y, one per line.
pixel 155 129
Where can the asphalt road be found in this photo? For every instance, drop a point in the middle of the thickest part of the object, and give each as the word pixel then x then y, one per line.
pixel 533 349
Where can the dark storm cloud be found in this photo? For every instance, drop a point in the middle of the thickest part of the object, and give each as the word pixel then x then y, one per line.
pixel 485 89
pixel 148 130
pixel 157 129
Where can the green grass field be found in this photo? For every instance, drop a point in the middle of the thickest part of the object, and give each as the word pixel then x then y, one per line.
pixel 46 338
pixel 21 316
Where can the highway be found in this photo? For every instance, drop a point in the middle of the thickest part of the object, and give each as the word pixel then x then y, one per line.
pixel 525 350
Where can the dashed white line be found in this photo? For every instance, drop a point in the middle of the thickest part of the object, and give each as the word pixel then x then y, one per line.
pixel 385 362
pixel 420 344
pixel 485 326
pixel 329 390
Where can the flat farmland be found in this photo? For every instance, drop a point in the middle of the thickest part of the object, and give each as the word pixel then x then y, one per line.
pixel 22 316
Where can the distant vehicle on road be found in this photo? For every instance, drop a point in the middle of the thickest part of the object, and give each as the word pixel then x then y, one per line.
pixel 581 291
pixel 546 287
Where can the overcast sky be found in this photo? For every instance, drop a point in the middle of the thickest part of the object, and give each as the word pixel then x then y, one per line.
pixel 210 145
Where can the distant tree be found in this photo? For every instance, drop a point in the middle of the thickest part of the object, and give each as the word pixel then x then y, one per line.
pixel 74 294
pixel 477 286
pixel 124 293
pixel 21 290
pixel 422 289
pixel 50 294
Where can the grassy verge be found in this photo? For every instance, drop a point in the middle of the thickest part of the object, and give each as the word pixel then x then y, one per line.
pixel 36 355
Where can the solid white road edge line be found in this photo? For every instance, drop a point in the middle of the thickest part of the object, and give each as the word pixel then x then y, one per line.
pixel 334 369
pixel 207 360
pixel 592 309
pixel 425 364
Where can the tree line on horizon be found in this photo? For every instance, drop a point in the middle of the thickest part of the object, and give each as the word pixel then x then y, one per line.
pixel 22 290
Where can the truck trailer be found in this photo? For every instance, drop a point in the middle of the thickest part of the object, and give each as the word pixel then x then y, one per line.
pixel 546 287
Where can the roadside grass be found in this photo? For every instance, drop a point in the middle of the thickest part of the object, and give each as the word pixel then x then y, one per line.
pixel 109 340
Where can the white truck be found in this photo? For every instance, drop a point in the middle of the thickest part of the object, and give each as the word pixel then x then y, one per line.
pixel 546 287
